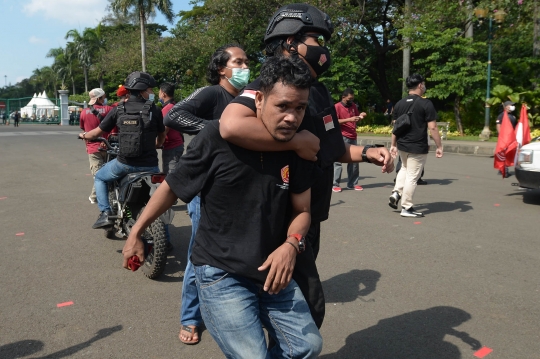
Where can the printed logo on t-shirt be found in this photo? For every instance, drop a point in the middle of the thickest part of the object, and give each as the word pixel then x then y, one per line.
pixel 284 178
pixel 328 123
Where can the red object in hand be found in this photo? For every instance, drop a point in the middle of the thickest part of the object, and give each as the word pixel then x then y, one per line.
pixel 134 263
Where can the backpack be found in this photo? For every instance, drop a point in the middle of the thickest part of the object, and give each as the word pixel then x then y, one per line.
pixel 136 133
pixel 403 122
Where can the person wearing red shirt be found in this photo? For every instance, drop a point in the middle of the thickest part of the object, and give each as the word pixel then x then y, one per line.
pixel 348 116
pixel 91 117
pixel 173 148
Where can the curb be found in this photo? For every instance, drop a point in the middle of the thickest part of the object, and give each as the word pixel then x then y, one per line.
pixel 472 149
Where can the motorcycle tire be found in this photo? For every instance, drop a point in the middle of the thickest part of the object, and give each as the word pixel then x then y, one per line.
pixel 154 263
pixel 109 232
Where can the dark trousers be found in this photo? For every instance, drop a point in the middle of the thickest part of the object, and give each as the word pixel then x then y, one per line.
pixel 16 123
pixel 306 274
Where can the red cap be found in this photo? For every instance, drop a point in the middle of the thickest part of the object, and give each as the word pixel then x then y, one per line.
pixel 122 91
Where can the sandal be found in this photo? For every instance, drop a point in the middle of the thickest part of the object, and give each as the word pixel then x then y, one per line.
pixel 193 330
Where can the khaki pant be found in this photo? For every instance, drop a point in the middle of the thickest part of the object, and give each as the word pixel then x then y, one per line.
pixel 411 170
pixel 97 160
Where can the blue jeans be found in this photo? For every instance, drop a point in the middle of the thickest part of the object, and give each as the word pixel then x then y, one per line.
pixel 190 312
pixel 112 171
pixel 171 157
pixel 235 309
pixel 353 171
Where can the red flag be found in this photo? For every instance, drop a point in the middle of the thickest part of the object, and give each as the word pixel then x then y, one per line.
pixel 506 146
pixel 523 132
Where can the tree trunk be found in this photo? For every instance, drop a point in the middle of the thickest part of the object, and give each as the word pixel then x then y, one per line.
pixel 73 84
pixel 406 51
pixel 101 84
pixel 85 78
pixel 457 103
pixel 469 25
pixel 143 39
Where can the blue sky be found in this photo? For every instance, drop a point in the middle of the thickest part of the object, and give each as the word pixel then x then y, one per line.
pixel 30 28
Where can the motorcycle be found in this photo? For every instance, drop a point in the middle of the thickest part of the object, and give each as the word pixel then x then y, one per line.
pixel 128 198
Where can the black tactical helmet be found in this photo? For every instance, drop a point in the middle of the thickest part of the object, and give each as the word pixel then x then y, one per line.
pixel 139 81
pixel 298 18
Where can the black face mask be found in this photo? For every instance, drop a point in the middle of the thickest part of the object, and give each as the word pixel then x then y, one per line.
pixel 348 103
pixel 318 57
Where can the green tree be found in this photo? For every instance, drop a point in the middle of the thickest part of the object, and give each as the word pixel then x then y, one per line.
pixel 144 8
pixel 86 45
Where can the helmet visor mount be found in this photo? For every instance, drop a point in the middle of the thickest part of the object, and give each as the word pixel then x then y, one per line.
pixel 289 14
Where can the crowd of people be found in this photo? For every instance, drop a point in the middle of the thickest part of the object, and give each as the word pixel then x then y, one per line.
pixel 271 150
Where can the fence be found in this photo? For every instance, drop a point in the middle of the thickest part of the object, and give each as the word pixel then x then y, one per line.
pixel 37 109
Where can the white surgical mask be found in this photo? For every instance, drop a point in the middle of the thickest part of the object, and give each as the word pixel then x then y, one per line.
pixel 105 101
pixel 151 97
pixel 512 108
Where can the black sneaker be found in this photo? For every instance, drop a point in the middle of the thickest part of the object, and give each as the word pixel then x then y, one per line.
pixel 421 182
pixel 393 200
pixel 410 213
pixel 103 220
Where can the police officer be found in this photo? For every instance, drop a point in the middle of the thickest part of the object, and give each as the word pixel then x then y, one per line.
pixel 302 30
pixel 140 132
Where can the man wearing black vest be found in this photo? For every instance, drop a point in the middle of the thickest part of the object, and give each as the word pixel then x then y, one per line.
pixel 140 132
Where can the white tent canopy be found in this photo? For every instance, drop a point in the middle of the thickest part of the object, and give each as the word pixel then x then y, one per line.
pixel 40 106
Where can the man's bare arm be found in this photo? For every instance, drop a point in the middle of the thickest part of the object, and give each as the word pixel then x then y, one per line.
pixel 162 199
pixel 379 156
pixel 432 125
pixel 240 126
pixel 281 262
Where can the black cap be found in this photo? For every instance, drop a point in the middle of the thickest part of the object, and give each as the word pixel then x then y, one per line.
pixel 297 18
pixel 508 103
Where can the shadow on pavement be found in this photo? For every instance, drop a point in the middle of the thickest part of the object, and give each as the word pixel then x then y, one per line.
pixel 378 185
pixel 434 207
pixel 415 335
pixel 27 347
pixel 440 182
pixel 530 196
pixel 348 287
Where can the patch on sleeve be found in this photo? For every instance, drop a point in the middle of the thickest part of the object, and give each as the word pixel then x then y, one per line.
pixel 249 93
pixel 328 122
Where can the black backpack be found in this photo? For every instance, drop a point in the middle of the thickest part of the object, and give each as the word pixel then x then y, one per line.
pixel 135 131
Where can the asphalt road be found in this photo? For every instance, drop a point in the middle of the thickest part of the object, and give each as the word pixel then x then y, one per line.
pixel 441 287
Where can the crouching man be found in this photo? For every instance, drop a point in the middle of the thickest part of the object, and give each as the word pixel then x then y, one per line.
pixel 254 216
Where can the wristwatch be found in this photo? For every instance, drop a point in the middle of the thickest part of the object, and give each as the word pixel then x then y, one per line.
pixel 364 155
pixel 301 241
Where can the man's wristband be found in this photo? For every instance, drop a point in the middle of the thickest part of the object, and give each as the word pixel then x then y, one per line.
pixel 296 249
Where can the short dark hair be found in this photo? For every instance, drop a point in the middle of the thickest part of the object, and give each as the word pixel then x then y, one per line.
pixel 414 80
pixel 217 62
pixel 347 92
pixel 167 88
pixel 290 71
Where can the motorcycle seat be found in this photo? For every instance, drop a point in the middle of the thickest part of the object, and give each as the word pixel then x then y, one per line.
pixel 128 179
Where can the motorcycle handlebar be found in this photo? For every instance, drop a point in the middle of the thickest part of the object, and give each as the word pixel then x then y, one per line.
pixel 100 139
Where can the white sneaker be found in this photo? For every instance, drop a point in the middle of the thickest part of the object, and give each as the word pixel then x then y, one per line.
pixel 93 201
pixel 393 200
pixel 410 213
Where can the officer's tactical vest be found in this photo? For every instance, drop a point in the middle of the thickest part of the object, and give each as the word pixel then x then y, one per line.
pixel 137 133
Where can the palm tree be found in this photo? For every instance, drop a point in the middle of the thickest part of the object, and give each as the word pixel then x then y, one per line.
pixel 64 62
pixel 86 46
pixel 144 8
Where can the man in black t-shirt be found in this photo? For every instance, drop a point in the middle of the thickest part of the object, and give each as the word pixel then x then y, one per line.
pixel 413 145
pixel 140 86
pixel 246 245
pixel 301 31
pixel 508 107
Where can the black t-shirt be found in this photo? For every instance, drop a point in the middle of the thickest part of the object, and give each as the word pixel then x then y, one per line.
pixel 203 105
pixel 148 158
pixel 416 140
pixel 511 117
pixel 244 196
pixel 321 120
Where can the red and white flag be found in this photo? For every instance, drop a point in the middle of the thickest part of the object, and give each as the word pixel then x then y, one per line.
pixel 523 132
pixel 506 146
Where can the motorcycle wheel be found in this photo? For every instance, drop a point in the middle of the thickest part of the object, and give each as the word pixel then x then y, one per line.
pixel 109 233
pixel 154 263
